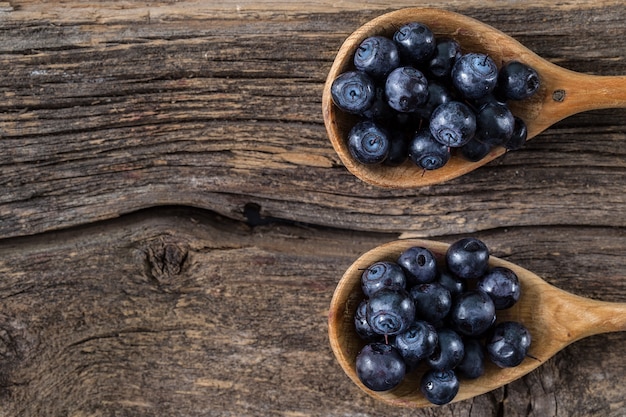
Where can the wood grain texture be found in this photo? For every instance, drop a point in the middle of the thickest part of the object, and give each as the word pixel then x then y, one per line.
pixel 114 303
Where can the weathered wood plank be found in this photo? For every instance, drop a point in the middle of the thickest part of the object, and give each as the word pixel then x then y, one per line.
pixel 111 113
pixel 183 312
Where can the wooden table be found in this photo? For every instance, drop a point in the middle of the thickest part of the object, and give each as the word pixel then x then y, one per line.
pixel 174 219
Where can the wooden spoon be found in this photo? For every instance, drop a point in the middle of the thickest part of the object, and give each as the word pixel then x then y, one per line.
pixel 562 92
pixel 554 318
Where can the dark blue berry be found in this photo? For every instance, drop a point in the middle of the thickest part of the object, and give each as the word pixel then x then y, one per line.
pixel 449 351
pixel 416 42
pixel 406 89
pixel 473 364
pixel 437 94
pixel 474 75
pixel 390 311
pixel 432 301
pixel 368 142
pixel 377 56
pixel 452 283
pixel 468 258
pixel 475 150
pixel 502 285
pixel 518 81
pixel 363 329
pixel 453 124
pixel 353 92
pixel 447 51
pixel 494 124
pixel 427 153
pixel 508 345
pixel 380 367
pixel 379 110
pixel 417 343
pixel 420 265
pixel 398 150
pixel 473 313
pixel 518 138
pixel 439 387
pixel 381 275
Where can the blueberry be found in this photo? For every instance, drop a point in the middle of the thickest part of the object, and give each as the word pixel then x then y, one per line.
pixel 453 124
pixel 377 56
pixel 494 124
pixel 390 311
pixel 509 344
pixel 447 51
pixel 473 364
pixel 437 94
pixel 381 275
pixel 449 351
pixel 474 75
pixel 420 265
pixel 518 138
pixel 380 367
pixel 518 81
pixel 439 387
pixel 475 150
pixel 353 91
pixel 502 285
pixel 362 327
pixel 368 142
pixel 473 313
pixel 416 42
pixel 468 258
pixel 398 149
pixel 452 283
pixel 406 89
pixel 379 110
pixel 432 301
pixel 425 152
pixel 417 343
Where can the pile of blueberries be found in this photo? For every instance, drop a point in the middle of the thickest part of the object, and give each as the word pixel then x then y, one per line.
pixel 418 96
pixel 416 311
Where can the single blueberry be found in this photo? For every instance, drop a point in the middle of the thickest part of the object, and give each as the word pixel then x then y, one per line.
pixel 416 42
pixel 518 138
pixel 406 88
pixel 439 387
pixel 390 311
pixel 377 56
pixel 494 124
pixel 453 124
pixel 381 275
pixel 362 327
pixel 420 265
pixel 502 285
pixel 475 150
pixel 427 153
pixel 380 367
pixel 468 258
pixel 398 149
pixel 438 94
pixel 447 51
pixel 379 110
pixel 353 92
pixel 432 301
pixel 473 364
pixel 518 81
pixel 508 345
pixel 449 351
pixel 452 283
pixel 474 75
pixel 472 313
pixel 368 142
pixel 417 343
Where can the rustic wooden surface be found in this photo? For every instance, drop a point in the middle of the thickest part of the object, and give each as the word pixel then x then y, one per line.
pixel 173 219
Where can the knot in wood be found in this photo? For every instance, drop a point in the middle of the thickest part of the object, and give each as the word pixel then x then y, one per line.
pixel 166 259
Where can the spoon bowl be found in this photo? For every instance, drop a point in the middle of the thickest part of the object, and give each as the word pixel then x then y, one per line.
pixel 554 318
pixel 562 92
